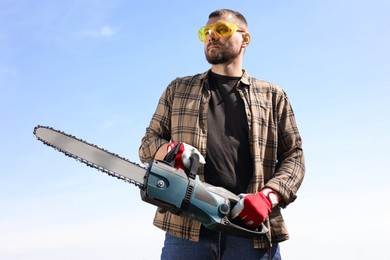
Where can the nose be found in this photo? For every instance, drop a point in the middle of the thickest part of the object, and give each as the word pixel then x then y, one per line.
pixel 212 36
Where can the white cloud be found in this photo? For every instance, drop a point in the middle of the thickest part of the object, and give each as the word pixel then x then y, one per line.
pixel 104 31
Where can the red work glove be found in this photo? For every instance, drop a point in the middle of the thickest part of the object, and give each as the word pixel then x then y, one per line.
pixel 182 159
pixel 253 209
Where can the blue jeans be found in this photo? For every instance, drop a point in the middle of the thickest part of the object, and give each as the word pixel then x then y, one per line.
pixel 215 246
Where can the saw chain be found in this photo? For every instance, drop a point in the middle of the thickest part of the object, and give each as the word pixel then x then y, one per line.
pixel 88 163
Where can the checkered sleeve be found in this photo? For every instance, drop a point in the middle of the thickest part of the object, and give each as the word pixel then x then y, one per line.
pixel 290 168
pixel 159 130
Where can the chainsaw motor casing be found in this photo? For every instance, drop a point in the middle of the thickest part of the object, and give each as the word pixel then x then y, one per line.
pixel 172 190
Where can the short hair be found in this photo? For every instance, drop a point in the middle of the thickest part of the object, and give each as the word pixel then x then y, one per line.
pixel 220 12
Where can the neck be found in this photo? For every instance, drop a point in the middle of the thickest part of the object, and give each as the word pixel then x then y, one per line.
pixel 227 70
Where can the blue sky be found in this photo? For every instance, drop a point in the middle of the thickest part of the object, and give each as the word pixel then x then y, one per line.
pixel 95 69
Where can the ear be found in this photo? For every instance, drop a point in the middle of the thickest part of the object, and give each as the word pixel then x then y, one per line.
pixel 246 39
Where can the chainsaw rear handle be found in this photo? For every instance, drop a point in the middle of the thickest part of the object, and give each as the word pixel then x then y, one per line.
pixel 176 191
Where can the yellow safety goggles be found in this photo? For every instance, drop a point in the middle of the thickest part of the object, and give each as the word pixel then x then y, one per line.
pixel 220 30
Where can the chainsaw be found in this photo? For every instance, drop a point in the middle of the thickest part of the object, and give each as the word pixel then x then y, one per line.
pixel 176 190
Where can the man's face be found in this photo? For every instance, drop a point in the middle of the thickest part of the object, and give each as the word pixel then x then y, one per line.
pixel 223 50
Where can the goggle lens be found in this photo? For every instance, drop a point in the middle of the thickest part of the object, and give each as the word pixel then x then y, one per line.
pixel 220 30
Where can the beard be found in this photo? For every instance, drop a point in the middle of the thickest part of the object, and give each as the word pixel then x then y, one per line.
pixel 220 56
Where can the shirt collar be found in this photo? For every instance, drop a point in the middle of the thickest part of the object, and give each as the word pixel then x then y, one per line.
pixel 245 78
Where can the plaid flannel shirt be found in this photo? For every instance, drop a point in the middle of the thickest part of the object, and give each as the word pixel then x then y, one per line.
pixel 276 145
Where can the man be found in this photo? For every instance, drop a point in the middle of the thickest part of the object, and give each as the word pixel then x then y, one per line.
pixel 245 130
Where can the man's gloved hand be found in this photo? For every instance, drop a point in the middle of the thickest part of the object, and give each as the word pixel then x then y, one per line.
pixel 254 209
pixel 184 152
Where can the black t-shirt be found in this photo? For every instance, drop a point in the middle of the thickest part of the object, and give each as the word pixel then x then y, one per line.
pixel 228 160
